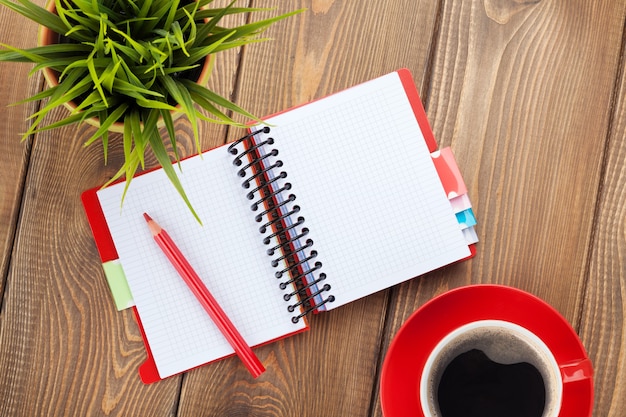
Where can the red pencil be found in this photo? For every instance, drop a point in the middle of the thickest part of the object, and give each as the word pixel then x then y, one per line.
pixel 203 295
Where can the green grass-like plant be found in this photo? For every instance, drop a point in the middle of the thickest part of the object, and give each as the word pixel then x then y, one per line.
pixel 132 62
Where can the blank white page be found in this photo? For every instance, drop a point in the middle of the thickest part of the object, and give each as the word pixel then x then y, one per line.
pixel 227 253
pixel 368 189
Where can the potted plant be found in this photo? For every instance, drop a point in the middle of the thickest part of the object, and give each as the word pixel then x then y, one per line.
pixel 132 66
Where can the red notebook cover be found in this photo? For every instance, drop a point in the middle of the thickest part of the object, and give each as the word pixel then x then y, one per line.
pixel 104 243
pixel 446 168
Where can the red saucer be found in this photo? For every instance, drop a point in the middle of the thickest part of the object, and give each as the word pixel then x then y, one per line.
pixel 409 350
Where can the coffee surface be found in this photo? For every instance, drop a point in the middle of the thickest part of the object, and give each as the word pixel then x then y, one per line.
pixel 474 385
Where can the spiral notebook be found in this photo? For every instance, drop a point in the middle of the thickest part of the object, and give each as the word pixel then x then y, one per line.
pixel 330 202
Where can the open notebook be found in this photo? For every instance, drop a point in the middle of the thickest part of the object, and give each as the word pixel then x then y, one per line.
pixel 350 198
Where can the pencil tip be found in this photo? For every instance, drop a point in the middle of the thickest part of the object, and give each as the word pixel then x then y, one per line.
pixel 155 229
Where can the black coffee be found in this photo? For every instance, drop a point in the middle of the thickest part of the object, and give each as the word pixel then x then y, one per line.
pixel 472 385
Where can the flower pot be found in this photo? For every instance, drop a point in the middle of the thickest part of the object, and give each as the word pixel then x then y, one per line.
pixel 48 37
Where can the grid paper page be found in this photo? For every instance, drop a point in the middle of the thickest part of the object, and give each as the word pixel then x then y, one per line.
pixel 368 189
pixel 227 252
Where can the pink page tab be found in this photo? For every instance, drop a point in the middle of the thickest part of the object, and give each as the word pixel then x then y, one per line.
pixel 460 203
pixel 449 172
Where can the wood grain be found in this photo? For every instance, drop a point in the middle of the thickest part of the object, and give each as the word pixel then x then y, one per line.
pixel 64 349
pixel 604 310
pixel 332 46
pixel 75 354
pixel 331 370
pixel 13 122
pixel 525 105
pixel 529 94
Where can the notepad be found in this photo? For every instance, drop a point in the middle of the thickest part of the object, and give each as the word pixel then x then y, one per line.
pixel 348 201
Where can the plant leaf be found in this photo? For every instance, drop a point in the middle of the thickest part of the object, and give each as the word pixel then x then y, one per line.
pixel 134 120
pixel 143 52
pixel 217 99
pixel 96 79
pixel 159 151
pixel 178 35
pixel 113 117
pixel 109 75
pixel 181 95
pixel 128 136
pixel 155 104
pixel 128 169
pixel 209 107
pixel 74 118
pixel 28 56
pixel 127 60
pixel 56 51
pixel 40 96
pixel 133 91
pixel 172 15
pixel 198 53
pixel 166 116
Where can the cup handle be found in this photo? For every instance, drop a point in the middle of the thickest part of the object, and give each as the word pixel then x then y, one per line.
pixel 577 371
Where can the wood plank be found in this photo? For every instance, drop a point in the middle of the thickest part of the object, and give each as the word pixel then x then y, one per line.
pixel 532 106
pixel 331 369
pixel 522 92
pixel 13 154
pixel 603 320
pixel 64 349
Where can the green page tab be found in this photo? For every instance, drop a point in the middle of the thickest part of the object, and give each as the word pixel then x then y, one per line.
pixel 117 283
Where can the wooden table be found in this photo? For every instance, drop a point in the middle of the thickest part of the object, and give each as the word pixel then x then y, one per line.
pixel 529 94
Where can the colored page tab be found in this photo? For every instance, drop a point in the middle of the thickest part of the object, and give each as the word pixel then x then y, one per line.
pixel 466 218
pixel 470 235
pixel 449 173
pixel 460 203
pixel 117 283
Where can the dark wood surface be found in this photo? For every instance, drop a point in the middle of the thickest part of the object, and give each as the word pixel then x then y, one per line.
pixel 529 94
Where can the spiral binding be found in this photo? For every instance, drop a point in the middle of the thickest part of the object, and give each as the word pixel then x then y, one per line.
pixel 256 167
